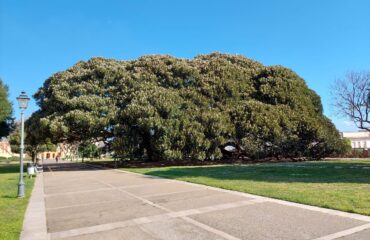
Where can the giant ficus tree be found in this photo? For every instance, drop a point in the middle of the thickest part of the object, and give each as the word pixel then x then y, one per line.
pixel 160 107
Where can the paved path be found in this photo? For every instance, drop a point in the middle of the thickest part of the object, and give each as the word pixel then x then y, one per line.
pixel 82 202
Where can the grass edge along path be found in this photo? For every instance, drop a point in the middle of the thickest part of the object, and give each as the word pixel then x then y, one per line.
pixel 12 209
pixel 341 184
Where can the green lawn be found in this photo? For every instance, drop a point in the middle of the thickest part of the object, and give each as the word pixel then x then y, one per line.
pixel 340 184
pixel 4 160
pixel 12 209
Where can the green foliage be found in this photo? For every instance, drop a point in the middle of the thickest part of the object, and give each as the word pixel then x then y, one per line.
pixel 347 147
pixel 89 150
pixel 15 140
pixel 344 148
pixel 77 104
pixel 36 138
pixel 266 130
pixel 160 107
pixel 6 121
pixel 9 159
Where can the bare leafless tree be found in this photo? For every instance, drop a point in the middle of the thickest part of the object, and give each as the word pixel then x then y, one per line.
pixel 351 98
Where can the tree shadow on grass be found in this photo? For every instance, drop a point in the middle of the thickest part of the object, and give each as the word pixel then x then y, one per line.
pixel 318 172
pixel 9 196
pixel 9 168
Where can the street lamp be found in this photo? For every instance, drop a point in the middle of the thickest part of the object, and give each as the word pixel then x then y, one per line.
pixel 23 100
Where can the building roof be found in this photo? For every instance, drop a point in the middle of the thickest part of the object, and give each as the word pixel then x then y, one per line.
pixel 356 135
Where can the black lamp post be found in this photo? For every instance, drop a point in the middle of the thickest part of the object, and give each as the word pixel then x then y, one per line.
pixel 23 100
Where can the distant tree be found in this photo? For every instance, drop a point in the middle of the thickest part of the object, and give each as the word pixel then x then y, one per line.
pixel 37 139
pixel 89 150
pixel 15 140
pixel 6 120
pixel 347 147
pixel 351 98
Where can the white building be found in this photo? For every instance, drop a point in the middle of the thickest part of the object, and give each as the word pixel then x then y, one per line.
pixel 360 139
pixel 5 150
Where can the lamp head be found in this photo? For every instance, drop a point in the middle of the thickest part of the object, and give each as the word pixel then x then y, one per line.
pixel 23 100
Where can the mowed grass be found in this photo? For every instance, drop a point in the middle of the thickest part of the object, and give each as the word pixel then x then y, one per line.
pixel 12 209
pixel 341 184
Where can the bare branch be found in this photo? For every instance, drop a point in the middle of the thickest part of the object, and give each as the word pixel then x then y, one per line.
pixel 351 96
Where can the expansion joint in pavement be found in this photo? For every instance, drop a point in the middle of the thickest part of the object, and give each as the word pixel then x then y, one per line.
pixel 191 212
pixel 157 218
pixel 345 232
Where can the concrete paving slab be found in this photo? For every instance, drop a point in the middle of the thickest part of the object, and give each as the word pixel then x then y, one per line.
pixel 127 233
pixel 62 188
pixel 196 199
pixel 363 235
pixel 50 183
pixel 265 221
pixel 63 183
pixel 178 196
pixel 65 176
pixel 85 198
pixel 127 181
pixel 95 214
pixel 173 229
pixel 161 188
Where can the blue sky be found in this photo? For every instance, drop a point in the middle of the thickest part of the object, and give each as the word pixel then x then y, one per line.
pixel 320 40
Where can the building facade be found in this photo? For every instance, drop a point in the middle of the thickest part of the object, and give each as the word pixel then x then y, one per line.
pixel 5 150
pixel 51 155
pixel 359 140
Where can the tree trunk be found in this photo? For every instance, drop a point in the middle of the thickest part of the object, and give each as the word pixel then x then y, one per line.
pixel 33 156
pixel 149 153
pixel 148 148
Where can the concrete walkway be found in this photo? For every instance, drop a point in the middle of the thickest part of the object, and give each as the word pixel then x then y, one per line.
pixel 83 202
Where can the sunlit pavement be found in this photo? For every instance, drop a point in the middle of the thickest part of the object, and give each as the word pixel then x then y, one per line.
pixel 84 202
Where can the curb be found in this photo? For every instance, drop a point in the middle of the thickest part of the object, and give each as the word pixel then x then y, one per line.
pixel 34 223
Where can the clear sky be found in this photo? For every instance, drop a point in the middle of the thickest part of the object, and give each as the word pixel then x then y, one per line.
pixel 318 39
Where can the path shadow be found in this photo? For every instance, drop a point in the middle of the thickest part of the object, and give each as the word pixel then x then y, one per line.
pixel 69 166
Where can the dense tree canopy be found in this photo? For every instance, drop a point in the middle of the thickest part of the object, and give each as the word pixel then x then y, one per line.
pixel 5 111
pixel 161 107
